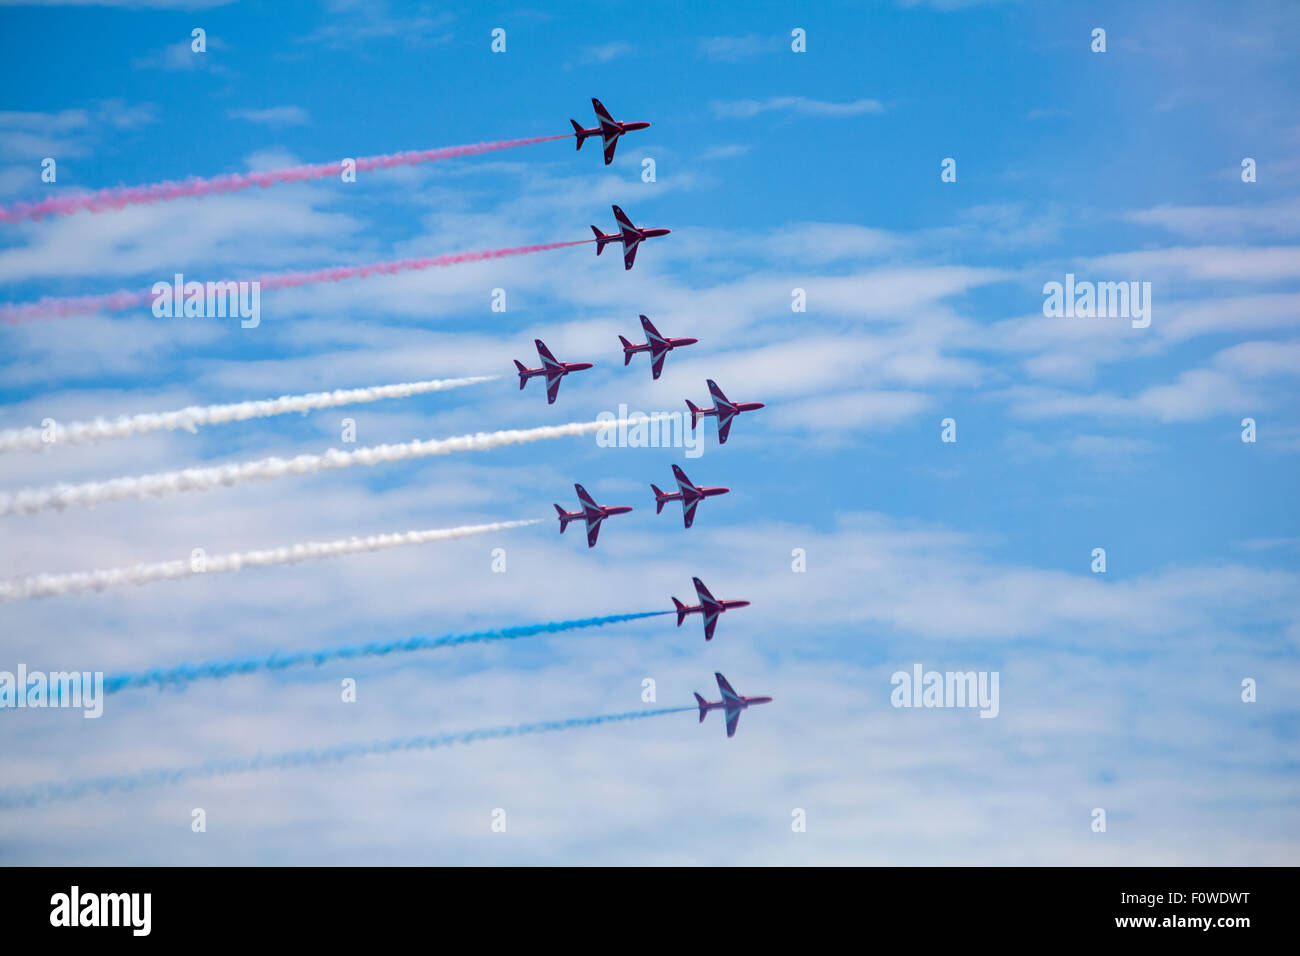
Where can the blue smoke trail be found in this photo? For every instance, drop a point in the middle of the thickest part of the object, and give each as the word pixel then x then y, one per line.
pixel 185 673
pixel 14 797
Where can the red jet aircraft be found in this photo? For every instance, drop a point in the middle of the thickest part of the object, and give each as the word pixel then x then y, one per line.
pixel 689 495
pixel 731 703
pixel 591 512
pixel 725 410
pixel 552 368
pixel 657 345
pixel 628 234
pixel 608 128
pixel 709 606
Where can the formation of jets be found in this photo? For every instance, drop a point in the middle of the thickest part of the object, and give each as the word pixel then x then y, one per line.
pixel 593 514
pixel 724 410
pixel 609 130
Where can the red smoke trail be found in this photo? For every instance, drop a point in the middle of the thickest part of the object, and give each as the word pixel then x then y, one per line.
pixel 57 308
pixel 119 197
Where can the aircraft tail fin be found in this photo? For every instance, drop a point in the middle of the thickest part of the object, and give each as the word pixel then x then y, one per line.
pixel 695 413
pixel 681 611
pixel 523 377
pixel 703 705
pixel 577 128
pixel 600 240
pixel 627 347
pixel 659 499
pixel 564 518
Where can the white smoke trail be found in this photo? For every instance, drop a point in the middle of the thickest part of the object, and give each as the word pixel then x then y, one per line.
pixel 51 585
pixel 33 439
pixel 60 496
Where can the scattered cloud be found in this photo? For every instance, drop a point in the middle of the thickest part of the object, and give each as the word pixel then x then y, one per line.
pixel 602 53
pixel 800 105
pixel 1277 219
pixel 273 116
pixel 68 133
pixel 737 48
pixel 347 23
pixel 725 151
pixel 181 57
pixel 1237 264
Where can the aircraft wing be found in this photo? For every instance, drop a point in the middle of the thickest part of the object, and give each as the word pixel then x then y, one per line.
pixel 602 114
pixel 682 481
pixel 629 254
pixel 710 623
pixel 651 332
pixel 733 719
pixel 623 221
pixel 724 426
pixel 729 694
pixel 657 357
pixel 545 355
pixel 586 499
pixel 703 593
pixel 593 531
pixel 552 388
pixel 611 143
pixel 718 397
pixel 688 510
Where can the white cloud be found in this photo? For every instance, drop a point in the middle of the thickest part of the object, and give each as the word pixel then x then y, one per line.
pixel 68 133
pixel 1278 219
pixel 346 23
pixel 182 57
pixel 274 115
pixel 603 53
pixel 801 105
pixel 733 49
pixel 726 151
pixel 1201 264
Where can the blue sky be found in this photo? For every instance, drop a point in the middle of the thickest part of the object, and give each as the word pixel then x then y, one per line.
pixel 775 170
